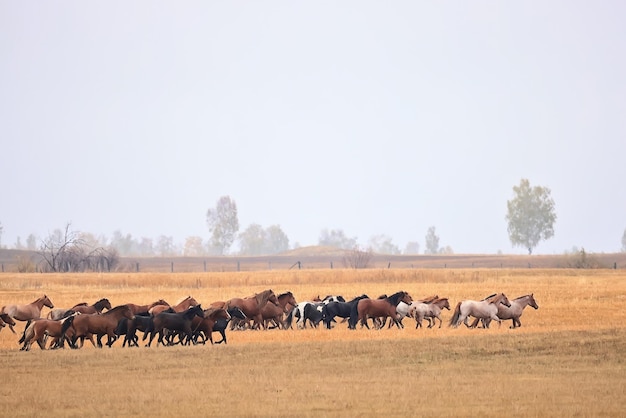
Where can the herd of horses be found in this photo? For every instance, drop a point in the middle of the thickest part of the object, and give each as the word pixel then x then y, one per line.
pixel 187 322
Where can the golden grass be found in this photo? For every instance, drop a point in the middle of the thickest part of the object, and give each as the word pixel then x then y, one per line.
pixel 567 359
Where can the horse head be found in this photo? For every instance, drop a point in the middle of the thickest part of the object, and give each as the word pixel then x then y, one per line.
pixel 47 302
pixel 103 304
pixel 504 300
pixel 443 303
pixel 531 301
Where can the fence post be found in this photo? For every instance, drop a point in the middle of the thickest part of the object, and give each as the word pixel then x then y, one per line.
pixel 137 267
pixel 331 265
pixel 172 268
pixel 205 266
pixel 238 266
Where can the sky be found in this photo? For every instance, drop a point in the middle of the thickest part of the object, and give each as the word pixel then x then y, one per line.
pixel 374 118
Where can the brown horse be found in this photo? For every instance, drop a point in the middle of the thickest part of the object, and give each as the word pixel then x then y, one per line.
pixel 273 313
pixel 40 329
pixel 381 308
pixel 253 305
pixel 203 327
pixel 26 312
pixel 6 320
pixel 86 326
pixel 96 308
pixel 181 306
pixel 141 309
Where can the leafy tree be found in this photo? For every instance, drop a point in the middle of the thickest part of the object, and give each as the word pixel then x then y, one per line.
pixel 193 247
pixel 530 215
pixel 256 240
pixel 624 241
pixel 252 240
pixel 383 244
pixel 412 247
pixel 165 246
pixel 432 241
pixel 336 238
pixel 31 242
pixel 276 240
pixel 223 224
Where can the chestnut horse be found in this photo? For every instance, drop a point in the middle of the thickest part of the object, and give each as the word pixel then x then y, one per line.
pixel 253 305
pixel 40 329
pixel 381 308
pixel 96 308
pixel 144 309
pixel 273 314
pixel 181 306
pixel 26 312
pixel 86 326
pixel 203 327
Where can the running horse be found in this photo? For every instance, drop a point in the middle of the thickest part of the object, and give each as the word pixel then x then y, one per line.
pixel 273 314
pixel 6 320
pixel 513 312
pixel 96 308
pixel 252 306
pixel 186 303
pixel 40 329
pixel 421 310
pixel 381 308
pixel 487 308
pixel 86 326
pixel 26 312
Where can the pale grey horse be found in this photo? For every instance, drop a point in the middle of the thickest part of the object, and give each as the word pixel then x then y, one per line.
pixel 487 308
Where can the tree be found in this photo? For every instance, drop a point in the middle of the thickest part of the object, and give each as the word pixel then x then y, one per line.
pixel 223 224
pixel 530 215
pixel 193 247
pixel 256 240
pixel 276 240
pixel 382 244
pixel 412 247
pixel 432 241
pixel 357 258
pixel 336 238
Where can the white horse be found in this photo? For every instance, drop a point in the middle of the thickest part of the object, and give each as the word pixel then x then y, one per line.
pixel 513 312
pixel 487 308
pixel 421 310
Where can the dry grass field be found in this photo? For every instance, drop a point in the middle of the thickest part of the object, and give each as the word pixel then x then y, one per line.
pixel 567 359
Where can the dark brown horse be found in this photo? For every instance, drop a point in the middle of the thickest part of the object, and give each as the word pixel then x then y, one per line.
pixel 175 322
pixel 86 326
pixel 96 308
pixel 381 308
pixel 181 306
pixel 26 312
pixel 253 305
pixel 273 314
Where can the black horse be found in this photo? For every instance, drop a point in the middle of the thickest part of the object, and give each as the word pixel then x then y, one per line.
pixel 179 322
pixel 129 327
pixel 221 324
pixel 340 309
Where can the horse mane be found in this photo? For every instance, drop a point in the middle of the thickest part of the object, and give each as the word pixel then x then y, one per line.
pixel 429 299
pixel 182 300
pixel 282 295
pixel 363 296
pixel 522 297
pixel 81 304
pixel 490 296
pixel 117 308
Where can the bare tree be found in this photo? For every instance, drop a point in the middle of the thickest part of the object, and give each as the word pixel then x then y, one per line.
pixel 357 258
pixel 56 250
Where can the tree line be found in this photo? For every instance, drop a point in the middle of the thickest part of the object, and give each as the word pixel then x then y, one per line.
pixel 530 216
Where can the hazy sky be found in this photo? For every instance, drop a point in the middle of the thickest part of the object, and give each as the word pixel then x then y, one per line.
pixel 366 116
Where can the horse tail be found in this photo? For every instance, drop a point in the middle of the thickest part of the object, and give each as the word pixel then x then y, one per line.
pixel 27 335
pixel 66 325
pixel 289 318
pixel 354 315
pixel 455 316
